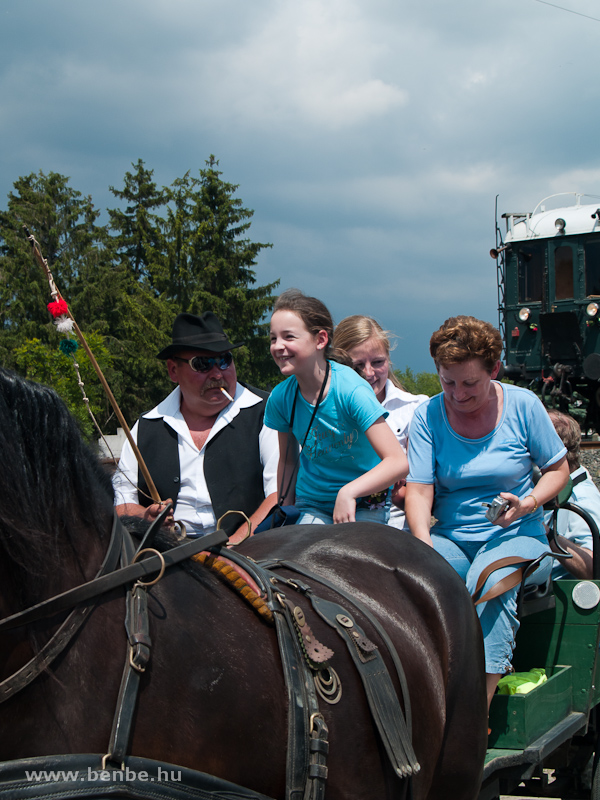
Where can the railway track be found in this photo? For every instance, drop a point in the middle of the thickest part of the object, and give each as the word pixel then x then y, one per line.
pixel 590 444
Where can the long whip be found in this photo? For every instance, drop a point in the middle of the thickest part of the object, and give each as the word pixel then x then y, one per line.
pixel 37 253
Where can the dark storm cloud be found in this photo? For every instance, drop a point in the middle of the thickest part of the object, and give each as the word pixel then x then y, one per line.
pixel 370 136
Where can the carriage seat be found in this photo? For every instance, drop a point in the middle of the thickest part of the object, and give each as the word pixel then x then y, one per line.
pixel 535 598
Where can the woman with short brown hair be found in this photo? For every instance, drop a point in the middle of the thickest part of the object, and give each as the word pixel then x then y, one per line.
pixel 477 440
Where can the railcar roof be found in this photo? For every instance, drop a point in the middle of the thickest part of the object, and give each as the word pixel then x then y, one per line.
pixel 579 217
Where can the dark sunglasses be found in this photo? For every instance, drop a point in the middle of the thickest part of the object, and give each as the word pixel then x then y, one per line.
pixel 206 363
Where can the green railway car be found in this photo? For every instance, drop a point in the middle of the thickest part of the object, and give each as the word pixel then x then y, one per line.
pixel 548 269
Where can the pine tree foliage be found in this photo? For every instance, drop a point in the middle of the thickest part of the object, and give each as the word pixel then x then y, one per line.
pixel 138 239
pixel 64 223
pixel 179 248
pixel 212 265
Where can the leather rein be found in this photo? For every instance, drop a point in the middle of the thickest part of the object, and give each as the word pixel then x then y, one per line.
pixel 108 577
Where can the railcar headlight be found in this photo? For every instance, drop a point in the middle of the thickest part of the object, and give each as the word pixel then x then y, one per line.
pixel 524 314
pixel 592 309
pixel 560 225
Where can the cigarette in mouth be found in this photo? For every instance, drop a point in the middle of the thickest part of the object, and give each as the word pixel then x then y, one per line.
pixel 226 393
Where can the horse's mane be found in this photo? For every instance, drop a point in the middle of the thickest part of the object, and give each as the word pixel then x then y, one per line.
pixel 52 486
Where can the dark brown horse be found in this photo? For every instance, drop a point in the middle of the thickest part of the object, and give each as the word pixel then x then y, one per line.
pixel 213 697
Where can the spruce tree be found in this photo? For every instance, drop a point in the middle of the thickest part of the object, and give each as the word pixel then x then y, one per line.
pixel 138 235
pixel 100 290
pixel 212 264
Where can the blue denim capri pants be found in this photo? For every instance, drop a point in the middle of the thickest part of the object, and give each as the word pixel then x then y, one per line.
pixel 498 617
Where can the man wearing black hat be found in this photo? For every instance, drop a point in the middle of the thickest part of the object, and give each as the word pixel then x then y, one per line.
pixel 205 444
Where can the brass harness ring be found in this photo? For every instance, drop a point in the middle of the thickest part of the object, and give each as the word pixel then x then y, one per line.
pixel 162 567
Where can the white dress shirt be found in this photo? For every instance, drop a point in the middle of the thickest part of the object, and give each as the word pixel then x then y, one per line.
pixel 401 406
pixel 194 507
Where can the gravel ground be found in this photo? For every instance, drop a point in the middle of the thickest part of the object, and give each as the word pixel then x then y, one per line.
pixel 590 459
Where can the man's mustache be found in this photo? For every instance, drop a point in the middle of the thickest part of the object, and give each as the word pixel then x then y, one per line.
pixel 214 385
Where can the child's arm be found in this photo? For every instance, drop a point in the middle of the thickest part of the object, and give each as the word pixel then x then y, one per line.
pixel 392 467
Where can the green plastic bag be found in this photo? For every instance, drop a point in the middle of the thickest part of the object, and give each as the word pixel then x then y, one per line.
pixel 522 682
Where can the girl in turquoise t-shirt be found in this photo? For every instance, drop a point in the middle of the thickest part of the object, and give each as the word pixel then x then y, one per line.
pixel 350 453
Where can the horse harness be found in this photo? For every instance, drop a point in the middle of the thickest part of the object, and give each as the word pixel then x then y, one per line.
pixel 307 672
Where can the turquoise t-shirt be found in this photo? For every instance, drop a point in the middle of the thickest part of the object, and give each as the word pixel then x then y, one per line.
pixel 337 450
pixel 469 472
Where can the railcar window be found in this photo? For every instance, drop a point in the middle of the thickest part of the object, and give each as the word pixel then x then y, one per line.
pixel 563 273
pixel 592 268
pixel 531 272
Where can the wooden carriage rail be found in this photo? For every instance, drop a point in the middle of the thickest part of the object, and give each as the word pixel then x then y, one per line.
pixel 505 769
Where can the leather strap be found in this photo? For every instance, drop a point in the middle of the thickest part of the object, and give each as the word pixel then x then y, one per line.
pixel 399 735
pixel 296 680
pixel 275 563
pixel 177 783
pixel 138 656
pixel 283 493
pixel 119 577
pixel 579 478
pixel 57 643
pixel 381 695
pixel 508 582
pixel 307 745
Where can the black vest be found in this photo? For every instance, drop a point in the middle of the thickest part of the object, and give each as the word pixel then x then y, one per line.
pixel 232 466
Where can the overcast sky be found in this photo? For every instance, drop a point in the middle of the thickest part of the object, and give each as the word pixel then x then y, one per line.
pixel 370 137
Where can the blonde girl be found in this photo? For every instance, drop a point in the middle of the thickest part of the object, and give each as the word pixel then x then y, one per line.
pixel 367 347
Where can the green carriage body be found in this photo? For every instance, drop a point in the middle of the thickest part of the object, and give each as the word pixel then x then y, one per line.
pixel 547 726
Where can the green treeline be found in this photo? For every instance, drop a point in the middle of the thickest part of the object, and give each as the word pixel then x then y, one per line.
pixel 422 383
pixel 164 250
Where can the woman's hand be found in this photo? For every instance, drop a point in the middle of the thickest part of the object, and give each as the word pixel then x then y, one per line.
pixel 345 506
pixel 515 509
pixel 553 479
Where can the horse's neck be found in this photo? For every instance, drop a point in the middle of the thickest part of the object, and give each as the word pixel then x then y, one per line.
pixel 74 566
pixel 52 714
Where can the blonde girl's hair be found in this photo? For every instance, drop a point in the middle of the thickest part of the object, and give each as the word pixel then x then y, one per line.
pixel 356 330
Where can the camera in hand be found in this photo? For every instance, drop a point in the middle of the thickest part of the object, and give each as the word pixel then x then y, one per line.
pixel 495 508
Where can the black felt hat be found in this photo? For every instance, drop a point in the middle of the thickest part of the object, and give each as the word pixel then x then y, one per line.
pixel 197 333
